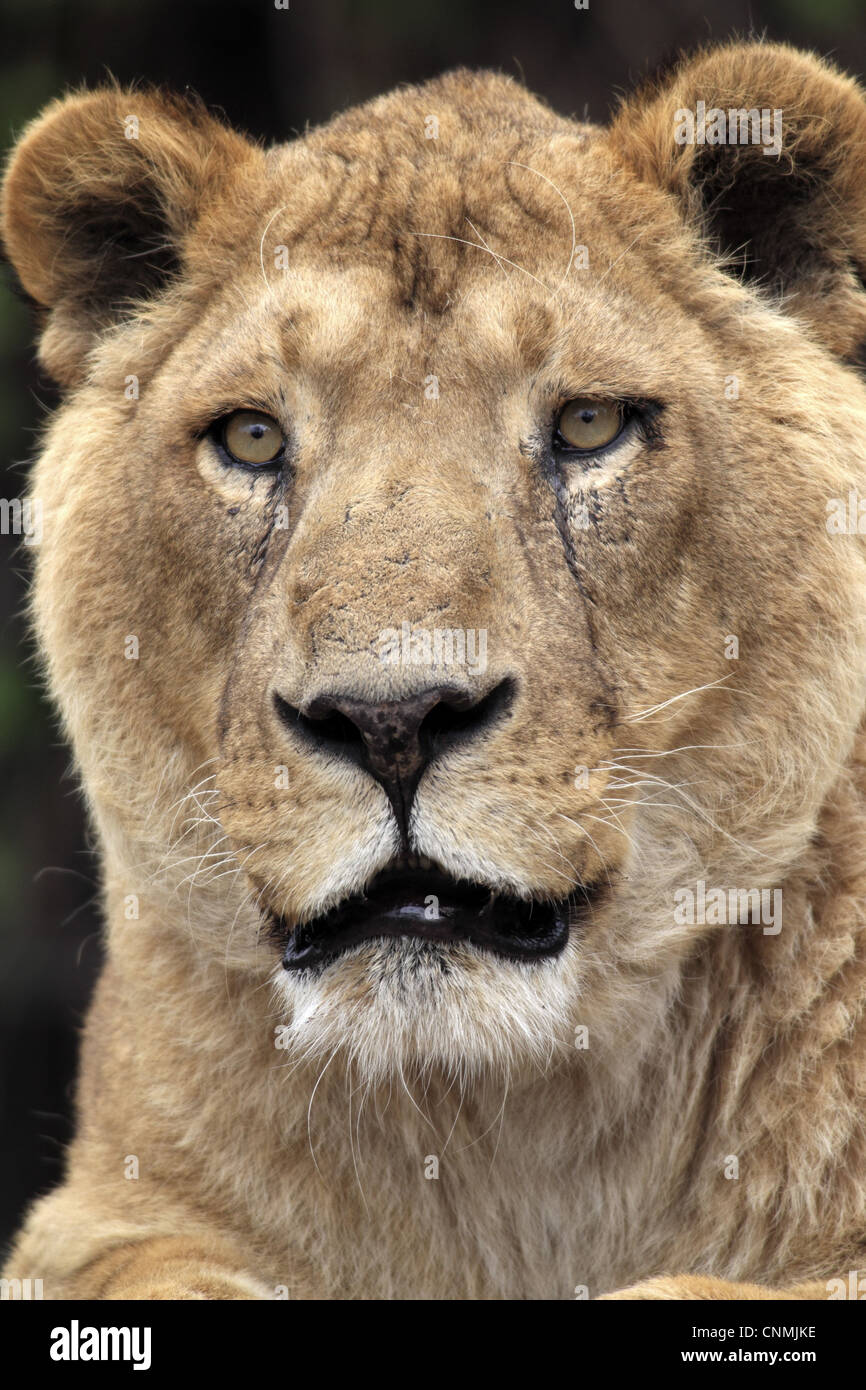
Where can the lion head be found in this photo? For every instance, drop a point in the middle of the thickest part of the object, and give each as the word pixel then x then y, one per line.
pixel 436 573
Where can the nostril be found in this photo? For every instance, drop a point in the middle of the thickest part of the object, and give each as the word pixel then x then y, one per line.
pixel 458 717
pixel 329 728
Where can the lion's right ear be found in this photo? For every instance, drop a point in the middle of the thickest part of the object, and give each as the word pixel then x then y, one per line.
pixel 763 148
pixel 98 200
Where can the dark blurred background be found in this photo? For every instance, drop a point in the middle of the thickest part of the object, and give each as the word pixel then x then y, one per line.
pixel 271 71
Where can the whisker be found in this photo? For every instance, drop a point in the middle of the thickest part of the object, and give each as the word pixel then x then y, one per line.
pixel 654 709
pixel 559 191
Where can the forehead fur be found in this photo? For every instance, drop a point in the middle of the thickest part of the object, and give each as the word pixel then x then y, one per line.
pixel 426 183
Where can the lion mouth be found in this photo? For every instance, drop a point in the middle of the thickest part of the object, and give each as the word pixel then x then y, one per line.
pixel 427 904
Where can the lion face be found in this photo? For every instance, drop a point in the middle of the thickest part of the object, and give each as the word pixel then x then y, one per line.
pixel 433 562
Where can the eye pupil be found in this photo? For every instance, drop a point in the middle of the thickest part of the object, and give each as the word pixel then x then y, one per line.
pixel 586 426
pixel 252 438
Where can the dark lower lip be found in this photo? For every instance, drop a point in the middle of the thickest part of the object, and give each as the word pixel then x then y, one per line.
pixel 398 904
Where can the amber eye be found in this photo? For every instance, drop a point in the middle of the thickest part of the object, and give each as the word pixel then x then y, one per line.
pixel 586 425
pixel 252 438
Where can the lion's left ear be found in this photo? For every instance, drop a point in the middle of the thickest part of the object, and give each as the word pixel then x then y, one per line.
pixel 98 202
pixel 764 147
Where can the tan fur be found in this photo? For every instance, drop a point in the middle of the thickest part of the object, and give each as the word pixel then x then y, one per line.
pixel 302 1167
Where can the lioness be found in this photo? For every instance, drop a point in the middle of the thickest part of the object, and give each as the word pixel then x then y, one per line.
pixel 453 585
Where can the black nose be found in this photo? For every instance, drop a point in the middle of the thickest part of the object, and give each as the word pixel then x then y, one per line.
pixel 396 740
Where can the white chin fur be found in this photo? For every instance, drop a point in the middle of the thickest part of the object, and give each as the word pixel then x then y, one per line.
pixel 408 1007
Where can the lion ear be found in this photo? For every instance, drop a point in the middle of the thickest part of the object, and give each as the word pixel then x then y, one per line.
pixel 98 200
pixel 764 148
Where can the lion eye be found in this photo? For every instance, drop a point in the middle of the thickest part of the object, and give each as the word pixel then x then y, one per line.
pixel 586 425
pixel 252 438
